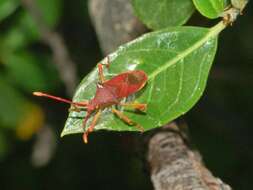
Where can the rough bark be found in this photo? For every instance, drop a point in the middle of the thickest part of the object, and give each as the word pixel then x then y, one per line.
pixel 174 166
pixel 114 23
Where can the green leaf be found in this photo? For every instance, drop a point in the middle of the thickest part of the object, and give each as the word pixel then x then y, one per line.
pixel 51 11
pixel 12 40
pixel 210 8
pixel 50 14
pixel 157 14
pixel 20 34
pixel 177 61
pixel 11 103
pixel 25 29
pixel 239 4
pixel 3 146
pixel 7 7
pixel 23 68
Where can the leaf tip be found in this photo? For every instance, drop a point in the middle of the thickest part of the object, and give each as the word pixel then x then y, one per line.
pixel 62 134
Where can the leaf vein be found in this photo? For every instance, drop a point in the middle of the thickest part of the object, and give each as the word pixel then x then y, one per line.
pixel 181 76
pixel 155 49
pixel 150 92
pixel 198 79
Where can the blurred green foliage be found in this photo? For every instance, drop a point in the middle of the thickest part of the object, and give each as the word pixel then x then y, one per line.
pixel 7 7
pixel 220 124
pixel 24 61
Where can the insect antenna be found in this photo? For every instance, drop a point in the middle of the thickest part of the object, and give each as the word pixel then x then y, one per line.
pixel 59 99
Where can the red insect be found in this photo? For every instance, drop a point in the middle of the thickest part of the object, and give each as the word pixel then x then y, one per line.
pixel 108 93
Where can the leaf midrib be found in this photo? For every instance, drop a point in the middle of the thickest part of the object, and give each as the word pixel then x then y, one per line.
pixel 214 31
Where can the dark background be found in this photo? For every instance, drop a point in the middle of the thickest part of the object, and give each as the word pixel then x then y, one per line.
pixel 220 124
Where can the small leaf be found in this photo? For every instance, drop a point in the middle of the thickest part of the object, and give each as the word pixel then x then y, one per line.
pixel 239 4
pixel 11 103
pixel 210 8
pixel 23 68
pixel 23 32
pixel 7 7
pixel 157 14
pixel 13 40
pixel 177 62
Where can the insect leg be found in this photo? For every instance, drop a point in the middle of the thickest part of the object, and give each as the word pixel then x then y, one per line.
pixel 127 120
pixel 81 104
pixel 91 127
pixel 100 70
pixel 77 108
pixel 135 105
pixel 107 61
pixel 101 73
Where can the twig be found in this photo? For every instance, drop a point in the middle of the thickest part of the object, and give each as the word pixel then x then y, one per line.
pixel 62 60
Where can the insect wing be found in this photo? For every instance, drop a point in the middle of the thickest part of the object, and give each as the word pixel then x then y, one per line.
pixel 127 83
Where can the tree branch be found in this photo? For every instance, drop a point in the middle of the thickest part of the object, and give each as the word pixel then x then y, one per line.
pixel 114 23
pixel 174 166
